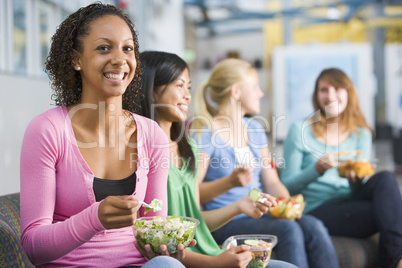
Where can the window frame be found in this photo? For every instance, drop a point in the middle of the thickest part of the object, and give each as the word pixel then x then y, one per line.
pixel 34 66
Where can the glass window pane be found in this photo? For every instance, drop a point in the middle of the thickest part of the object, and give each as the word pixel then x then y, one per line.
pixel 44 32
pixel 19 33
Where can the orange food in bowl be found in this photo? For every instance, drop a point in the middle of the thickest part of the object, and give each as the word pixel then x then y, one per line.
pixel 361 168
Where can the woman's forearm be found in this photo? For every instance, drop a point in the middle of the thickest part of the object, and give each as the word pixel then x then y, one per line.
pixel 218 217
pixel 211 189
pixel 197 260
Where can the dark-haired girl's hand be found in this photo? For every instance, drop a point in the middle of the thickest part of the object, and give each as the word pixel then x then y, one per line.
pixel 238 256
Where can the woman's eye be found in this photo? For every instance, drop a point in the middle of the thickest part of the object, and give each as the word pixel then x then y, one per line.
pixel 128 48
pixel 103 48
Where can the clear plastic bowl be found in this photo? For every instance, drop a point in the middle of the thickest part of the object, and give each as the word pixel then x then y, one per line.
pixel 180 231
pixel 261 251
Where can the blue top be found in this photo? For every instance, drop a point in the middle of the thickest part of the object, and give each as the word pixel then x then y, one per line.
pixel 301 152
pixel 223 161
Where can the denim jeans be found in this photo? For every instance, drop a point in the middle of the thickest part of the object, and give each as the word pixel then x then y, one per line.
pixel 163 262
pixel 168 262
pixel 280 264
pixel 304 242
pixel 375 206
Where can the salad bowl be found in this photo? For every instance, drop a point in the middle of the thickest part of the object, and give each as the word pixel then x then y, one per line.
pixel 169 231
pixel 291 208
pixel 261 246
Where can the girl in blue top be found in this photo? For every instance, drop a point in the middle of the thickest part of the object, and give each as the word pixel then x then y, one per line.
pixel 349 206
pixel 236 158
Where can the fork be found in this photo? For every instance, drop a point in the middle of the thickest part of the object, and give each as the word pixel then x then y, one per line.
pixel 146 205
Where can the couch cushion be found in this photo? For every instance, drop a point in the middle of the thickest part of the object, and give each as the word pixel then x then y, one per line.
pixel 10 211
pixel 354 252
pixel 11 252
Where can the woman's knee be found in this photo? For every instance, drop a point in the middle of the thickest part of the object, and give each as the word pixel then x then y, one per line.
pixel 313 225
pixel 163 262
pixel 384 179
pixel 385 175
pixel 289 234
pixel 291 228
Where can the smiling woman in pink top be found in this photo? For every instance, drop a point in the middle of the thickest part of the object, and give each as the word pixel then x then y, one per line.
pixel 87 163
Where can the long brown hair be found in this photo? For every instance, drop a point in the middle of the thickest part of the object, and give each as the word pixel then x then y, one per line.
pixel 352 117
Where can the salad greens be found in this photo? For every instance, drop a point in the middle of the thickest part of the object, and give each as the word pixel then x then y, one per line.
pixel 256 263
pixel 170 231
pixel 260 251
pixel 156 205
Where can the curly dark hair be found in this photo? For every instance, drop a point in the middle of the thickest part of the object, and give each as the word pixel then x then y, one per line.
pixel 66 81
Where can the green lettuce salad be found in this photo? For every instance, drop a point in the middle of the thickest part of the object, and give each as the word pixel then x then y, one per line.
pixel 170 231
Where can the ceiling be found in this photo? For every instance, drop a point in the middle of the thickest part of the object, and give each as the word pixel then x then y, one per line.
pixel 228 17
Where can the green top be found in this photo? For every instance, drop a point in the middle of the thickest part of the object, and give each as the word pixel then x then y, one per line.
pixel 301 152
pixel 182 202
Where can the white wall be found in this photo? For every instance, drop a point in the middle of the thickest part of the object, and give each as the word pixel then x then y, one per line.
pixel 160 25
pixel 250 47
pixel 22 98
pixel 393 85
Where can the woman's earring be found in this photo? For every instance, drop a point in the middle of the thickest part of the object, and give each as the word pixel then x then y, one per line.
pixel 78 68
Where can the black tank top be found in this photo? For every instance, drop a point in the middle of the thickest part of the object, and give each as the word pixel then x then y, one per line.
pixel 103 188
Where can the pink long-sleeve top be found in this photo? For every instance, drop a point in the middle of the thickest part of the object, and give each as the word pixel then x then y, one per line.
pixel 60 226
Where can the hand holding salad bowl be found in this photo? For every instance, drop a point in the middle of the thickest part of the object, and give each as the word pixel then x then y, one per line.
pixel 163 235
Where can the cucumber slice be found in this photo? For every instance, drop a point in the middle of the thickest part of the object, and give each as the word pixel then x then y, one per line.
pixel 254 195
pixel 251 242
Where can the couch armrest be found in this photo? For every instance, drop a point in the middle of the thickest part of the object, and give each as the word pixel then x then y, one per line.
pixel 11 251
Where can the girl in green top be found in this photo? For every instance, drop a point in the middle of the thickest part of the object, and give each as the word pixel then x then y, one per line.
pixel 166 89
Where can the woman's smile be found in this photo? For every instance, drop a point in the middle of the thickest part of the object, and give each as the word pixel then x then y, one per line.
pixel 115 77
pixel 183 107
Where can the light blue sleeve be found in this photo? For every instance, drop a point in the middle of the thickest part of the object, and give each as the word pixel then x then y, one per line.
pixel 365 142
pixel 204 141
pixel 293 176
